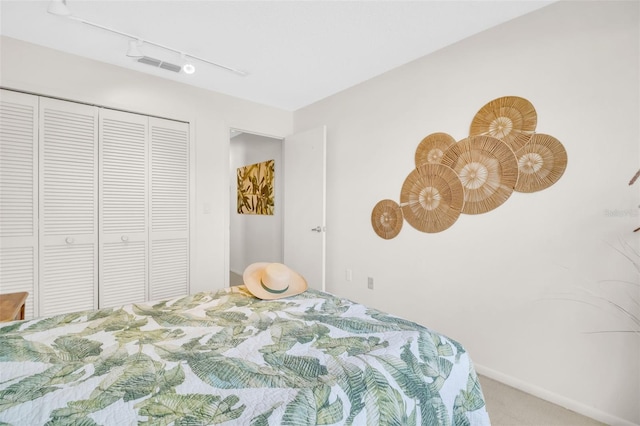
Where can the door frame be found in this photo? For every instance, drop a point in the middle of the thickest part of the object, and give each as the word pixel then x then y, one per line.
pixel 232 189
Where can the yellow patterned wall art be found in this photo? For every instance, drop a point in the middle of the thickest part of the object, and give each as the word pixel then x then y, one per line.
pixel 255 188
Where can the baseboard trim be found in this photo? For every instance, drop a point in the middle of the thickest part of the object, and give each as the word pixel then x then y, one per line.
pixel 554 398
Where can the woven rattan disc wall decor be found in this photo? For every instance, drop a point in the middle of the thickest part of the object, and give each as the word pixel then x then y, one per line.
pixel 502 154
pixel 432 147
pixel 432 198
pixel 488 170
pixel 511 119
pixel 541 163
pixel 386 219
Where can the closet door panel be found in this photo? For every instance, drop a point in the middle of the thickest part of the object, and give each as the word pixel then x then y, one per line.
pixel 169 208
pixel 124 236
pixel 68 195
pixel 170 268
pixel 68 277
pixel 123 278
pixel 19 196
pixel 18 272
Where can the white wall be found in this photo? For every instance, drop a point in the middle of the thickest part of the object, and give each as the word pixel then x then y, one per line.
pixel 36 69
pixel 511 284
pixel 255 238
pixel 504 283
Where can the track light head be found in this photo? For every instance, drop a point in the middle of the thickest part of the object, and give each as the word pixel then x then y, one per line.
pixel 58 7
pixel 134 49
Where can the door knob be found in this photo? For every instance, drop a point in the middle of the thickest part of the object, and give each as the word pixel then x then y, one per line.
pixel 317 229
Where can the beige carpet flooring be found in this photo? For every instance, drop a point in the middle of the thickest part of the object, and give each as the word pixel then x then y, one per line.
pixel 235 279
pixel 508 406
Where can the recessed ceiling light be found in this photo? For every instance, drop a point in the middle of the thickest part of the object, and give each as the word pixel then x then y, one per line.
pixel 187 66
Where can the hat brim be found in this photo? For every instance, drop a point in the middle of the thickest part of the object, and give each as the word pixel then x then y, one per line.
pixel 252 277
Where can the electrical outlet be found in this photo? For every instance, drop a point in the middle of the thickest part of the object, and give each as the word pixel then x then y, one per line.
pixel 348 275
pixel 370 283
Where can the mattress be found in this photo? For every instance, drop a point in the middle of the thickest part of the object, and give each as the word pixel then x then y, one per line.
pixel 228 358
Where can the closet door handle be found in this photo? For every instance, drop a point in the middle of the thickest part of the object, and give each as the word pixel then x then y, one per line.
pixel 124 238
pixel 68 240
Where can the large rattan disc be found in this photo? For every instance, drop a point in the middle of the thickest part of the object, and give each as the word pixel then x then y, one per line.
pixel 386 219
pixel 432 198
pixel 488 170
pixel 511 119
pixel 432 147
pixel 541 163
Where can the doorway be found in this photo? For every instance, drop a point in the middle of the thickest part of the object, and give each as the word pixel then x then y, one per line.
pixel 254 237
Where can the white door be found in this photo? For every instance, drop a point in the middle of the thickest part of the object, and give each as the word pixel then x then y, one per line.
pixel 68 207
pixel 169 206
pixel 304 204
pixel 123 208
pixel 19 196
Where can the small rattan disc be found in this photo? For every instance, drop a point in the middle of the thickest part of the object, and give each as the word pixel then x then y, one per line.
pixel 541 163
pixel 386 219
pixel 488 170
pixel 432 198
pixel 511 119
pixel 432 147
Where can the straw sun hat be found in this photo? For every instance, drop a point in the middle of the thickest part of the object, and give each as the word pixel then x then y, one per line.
pixel 273 280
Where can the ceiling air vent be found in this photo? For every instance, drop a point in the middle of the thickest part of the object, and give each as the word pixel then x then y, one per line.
pixel 160 64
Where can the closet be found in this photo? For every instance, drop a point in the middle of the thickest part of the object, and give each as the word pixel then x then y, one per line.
pixel 94 205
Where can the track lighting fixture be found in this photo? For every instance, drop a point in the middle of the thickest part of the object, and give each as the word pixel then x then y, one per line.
pixel 59 7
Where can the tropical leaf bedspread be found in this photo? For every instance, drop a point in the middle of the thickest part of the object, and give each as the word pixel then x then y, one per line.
pixel 229 358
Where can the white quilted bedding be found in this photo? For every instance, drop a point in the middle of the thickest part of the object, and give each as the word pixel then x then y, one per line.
pixel 228 358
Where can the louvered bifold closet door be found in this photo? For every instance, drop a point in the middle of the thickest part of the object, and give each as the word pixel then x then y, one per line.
pixel 124 208
pixel 19 196
pixel 169 208
pixel 68 206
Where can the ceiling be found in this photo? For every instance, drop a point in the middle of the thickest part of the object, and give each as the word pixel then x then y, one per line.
pixel 294 52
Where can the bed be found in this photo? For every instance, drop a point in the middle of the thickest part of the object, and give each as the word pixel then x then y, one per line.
pixel 228 358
